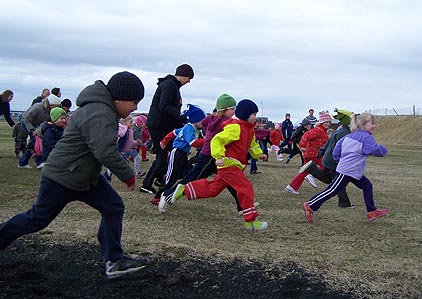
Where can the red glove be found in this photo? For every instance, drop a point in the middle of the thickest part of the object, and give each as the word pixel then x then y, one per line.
pixel 130 183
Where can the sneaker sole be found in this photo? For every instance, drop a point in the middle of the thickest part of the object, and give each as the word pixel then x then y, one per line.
pixel 308 216
pixel 116 274
pixel 305 167
pixel 291 192
pixel 162 205
pixel 376 218
pixel 145 190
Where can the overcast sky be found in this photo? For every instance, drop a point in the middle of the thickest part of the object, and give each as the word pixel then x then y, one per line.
pixel 287 56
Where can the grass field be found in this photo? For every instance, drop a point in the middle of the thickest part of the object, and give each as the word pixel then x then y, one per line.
pixel 372 260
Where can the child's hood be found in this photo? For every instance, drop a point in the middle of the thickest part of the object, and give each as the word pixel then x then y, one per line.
pixel 215 123
pixel 95 93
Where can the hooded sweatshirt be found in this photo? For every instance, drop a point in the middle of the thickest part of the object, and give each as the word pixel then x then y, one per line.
pixel 88 142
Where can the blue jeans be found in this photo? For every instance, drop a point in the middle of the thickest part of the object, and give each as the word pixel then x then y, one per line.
pixel 53 197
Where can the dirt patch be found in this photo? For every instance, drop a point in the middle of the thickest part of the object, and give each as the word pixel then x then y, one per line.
pixel 33 269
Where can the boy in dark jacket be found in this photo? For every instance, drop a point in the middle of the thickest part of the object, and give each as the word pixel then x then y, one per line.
pixel 73 170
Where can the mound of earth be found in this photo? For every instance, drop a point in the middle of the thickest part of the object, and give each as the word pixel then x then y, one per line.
pixel 33 269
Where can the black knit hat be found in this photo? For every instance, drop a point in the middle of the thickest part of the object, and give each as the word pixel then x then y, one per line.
pixel 245 108
pixel 125 86
pixel 184 70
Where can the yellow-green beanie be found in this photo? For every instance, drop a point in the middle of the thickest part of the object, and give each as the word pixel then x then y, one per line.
pixel 56 112
pixel 225 101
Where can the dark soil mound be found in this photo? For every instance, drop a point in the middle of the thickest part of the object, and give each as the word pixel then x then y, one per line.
pixel 33 269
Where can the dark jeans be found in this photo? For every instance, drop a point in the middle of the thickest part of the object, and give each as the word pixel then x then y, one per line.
pixel 53 197
pixel 159 165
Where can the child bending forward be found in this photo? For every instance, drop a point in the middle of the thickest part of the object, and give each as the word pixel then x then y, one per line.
pixel 352 151
pixel 230 148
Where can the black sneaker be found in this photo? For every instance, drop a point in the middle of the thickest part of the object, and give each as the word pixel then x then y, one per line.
pixel 350 206
pixel 158 183
pixel 124 266
pixel 149 190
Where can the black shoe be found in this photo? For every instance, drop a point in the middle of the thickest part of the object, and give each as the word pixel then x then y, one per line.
pixel 255 172
pixel 149 190
pixel 158 183
pixel 350 206
pixel 287 161
pixel 124 266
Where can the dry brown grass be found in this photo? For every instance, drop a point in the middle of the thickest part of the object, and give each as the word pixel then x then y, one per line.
pixel 374 260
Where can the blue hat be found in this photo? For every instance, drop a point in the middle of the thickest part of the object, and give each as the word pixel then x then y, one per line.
pixel 195 114
pixel 245 108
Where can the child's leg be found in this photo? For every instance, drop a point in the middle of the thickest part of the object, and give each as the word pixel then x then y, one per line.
pixel 368 195
pixel 338 183
pixel 136 161
pixel 204 188
pixel 236 178
pixel 144 152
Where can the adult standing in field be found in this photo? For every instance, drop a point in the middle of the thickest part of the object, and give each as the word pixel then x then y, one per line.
pixel 31 120
pixel 5 98
pixel 44 94
pixel 286 131
pixel 73 170
pixel 164 116
pixel 311 117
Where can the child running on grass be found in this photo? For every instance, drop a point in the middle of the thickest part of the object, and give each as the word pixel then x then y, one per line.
pixel 229 148
pixel 205 164
pixel 352 151
pixel 184 139
pixel 72 171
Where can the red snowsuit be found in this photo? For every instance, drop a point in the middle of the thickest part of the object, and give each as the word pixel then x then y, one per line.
pixel 232 145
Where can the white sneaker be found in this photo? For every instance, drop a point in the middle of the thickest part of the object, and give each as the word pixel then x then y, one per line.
pixel 27 166
pixel 305 166
pixel 310 179
pixel 291 190
pixel 163 205
pixel 41 165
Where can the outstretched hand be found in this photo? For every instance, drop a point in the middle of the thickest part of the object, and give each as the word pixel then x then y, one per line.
pixel 131 183
pixel 264 157
pixel 219 162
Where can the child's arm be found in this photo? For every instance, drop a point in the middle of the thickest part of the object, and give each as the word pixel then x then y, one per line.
pixel 371 147
pixel 229 134
pixel 169 137
pixel 198 142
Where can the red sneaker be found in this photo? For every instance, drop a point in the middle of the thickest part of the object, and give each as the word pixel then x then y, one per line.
pixel 155 201
pixel 308 212
pixel 374 215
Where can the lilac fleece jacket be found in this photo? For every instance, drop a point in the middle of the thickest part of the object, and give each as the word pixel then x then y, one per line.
pixel 352 150
pixel 211 125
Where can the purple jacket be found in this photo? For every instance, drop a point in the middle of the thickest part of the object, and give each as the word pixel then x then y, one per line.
pixel 211 125
pixel 351 152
